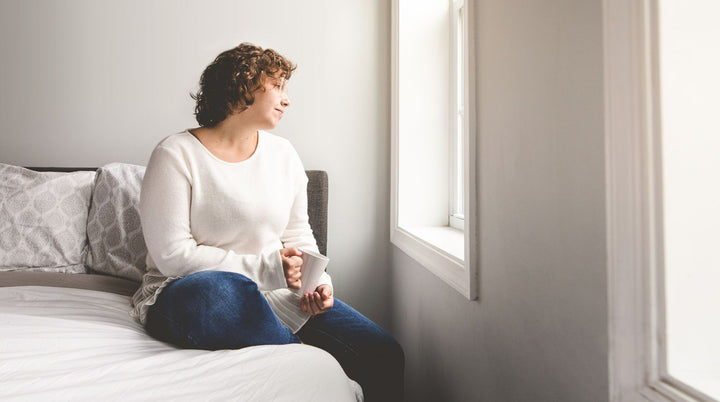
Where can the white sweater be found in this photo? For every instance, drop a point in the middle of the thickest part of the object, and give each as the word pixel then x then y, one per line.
pixel 200 213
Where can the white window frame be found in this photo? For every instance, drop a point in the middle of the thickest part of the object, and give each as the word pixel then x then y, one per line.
pixel 636 327
pixel 458 128
pixel 429 246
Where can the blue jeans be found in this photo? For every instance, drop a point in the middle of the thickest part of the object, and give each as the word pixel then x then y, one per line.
pixel 215 310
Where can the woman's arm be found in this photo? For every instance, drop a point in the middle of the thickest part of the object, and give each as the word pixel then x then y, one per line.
pixel 165 216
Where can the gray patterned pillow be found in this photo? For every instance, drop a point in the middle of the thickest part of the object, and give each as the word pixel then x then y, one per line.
pixel 117 245
pixel 42 219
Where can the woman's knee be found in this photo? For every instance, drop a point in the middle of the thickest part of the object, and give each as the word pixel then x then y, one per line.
pixel 211 295
pixel 215 281
pixel 198 308
pixel 219 310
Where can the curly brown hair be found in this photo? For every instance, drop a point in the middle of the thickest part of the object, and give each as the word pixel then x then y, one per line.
pixel 229 83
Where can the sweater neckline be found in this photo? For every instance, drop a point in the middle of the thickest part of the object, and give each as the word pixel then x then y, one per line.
pixel 213 156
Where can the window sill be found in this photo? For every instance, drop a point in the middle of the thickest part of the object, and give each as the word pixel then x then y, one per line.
pixel 448 240
pixel 440 249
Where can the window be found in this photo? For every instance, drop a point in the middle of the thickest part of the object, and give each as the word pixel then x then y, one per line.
pixel 661 88
pixel 457 178
pixel 689 39
pixel 432 207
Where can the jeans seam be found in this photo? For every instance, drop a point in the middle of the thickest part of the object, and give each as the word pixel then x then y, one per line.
pixel 349 347
pixel 181 328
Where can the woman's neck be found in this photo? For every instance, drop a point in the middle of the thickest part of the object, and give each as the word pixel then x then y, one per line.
pixel 230 140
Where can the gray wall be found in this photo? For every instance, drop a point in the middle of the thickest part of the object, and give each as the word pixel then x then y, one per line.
pixel 88 82
pixel 539 330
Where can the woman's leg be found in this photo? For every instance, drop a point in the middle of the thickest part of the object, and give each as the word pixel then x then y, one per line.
pixel 215 310
pixel 367 353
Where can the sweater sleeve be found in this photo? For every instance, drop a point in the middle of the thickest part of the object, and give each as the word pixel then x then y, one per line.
pixel 165 200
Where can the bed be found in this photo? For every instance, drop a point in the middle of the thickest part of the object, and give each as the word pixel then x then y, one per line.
pixel 68 336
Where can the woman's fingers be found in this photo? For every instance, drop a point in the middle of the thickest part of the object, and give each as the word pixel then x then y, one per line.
pixel 314 303
pixel 326 303
pixel 292 264
pixel 292 277
pixel 290 251
pixel 295 273
pixel 310 307
pixel 317 302
pixel 307 304
pixel 325 291
pixel 294 283
pixel 325 296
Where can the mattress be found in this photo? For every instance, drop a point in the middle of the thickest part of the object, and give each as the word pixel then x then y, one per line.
pixel 65 343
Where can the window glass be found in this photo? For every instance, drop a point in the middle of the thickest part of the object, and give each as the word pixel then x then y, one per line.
pixel 689 44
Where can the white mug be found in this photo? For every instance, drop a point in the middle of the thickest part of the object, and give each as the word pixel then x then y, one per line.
pixel 313 266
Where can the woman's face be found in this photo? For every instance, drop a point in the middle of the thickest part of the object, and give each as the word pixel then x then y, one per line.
pixel 270 103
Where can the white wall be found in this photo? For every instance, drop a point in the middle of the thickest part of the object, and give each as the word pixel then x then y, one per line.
pixel 87 82
pixel 539 330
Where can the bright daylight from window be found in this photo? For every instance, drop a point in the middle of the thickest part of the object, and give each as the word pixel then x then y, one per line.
pixel 689 63
pixel 457 199
pixel 433 158
pixel 430 140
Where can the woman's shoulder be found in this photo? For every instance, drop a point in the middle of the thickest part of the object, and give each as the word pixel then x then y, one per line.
pixel 176 140
pixel 178 143
pixel 175 147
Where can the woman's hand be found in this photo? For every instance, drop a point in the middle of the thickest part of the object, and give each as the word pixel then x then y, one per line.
pixel 292 264
pixel 318 302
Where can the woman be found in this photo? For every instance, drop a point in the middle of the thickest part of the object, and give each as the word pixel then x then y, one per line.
pixel 224 211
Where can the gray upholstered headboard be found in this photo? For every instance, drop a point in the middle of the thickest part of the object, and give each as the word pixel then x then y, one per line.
pixel 317 191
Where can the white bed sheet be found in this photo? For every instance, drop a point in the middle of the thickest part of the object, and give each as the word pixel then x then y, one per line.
pixel 75 344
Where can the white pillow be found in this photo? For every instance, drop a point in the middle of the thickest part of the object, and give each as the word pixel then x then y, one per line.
pixel 42 219
pixel 117 245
